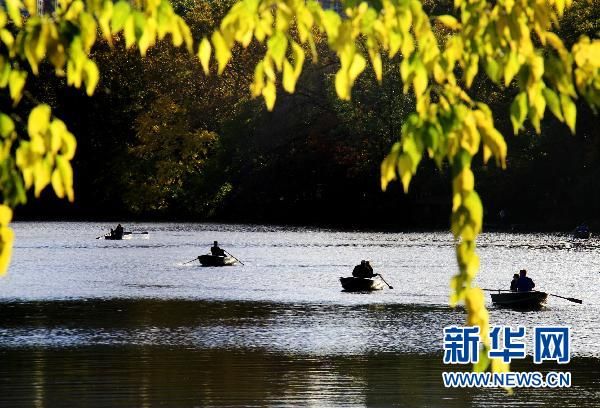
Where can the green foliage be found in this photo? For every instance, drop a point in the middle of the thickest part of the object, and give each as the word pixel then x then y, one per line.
pixel 65 41
pixel 512 40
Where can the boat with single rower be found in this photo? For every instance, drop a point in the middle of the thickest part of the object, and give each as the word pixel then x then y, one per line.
pixel 213 260
pixel 352 284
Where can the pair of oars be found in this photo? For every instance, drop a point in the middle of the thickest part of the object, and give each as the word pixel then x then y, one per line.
pixel 570 299
pixel 223 251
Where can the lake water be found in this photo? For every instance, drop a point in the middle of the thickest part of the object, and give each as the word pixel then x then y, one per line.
pixel 90 322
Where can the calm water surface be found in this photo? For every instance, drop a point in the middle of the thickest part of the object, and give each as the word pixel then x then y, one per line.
pixel 87 322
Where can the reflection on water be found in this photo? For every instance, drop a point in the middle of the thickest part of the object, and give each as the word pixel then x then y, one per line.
pixel 102 376
pixel 96 323
pixel 105 353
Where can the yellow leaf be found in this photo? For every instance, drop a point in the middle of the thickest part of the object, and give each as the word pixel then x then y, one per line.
pixel 42 174
pixel 464 181
pixel 298 53
pixel 57 184
pixel 518 111
pixel 259 81
pixel 356 68
pixel 511 68
pixel 388 166
pixel 277 46
pixel 186 33
pixel 104 20
pixel 405 166
pixel 289 79
pixel 14 11
pixel 449 21
pixel 16 82
pixel 222 51
pixel 88 30
pixel 148 38
pixel 377 65
pixel 129 31
pixel 39 121
pixel 66 175
pixel 569 111
pixel 420 80
pixel 331 22
pixel 91 76
pixel 6 214
pixel 120 15
pixel 7 126
pixel 472 69
pixel 6 243
pixel 269 92
pixel 204 52
pixel 69 143
pixel 342 85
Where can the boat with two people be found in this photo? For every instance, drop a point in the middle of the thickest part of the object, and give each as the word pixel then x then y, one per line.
pixel 521 295
pixel 362 279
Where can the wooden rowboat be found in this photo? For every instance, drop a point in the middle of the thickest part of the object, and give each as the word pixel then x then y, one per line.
pixel 520 300
pixel 212 260
pixel 352 284
pixel 125 235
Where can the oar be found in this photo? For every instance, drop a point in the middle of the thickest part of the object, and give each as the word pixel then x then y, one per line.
pixel 381 277
pixel 195 259
pixel 233 257
pixel 568 298
pixel 130 232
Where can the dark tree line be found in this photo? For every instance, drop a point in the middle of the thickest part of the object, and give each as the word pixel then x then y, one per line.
pixel 160 140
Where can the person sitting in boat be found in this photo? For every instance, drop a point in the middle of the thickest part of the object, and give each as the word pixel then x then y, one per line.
pixel 216 251
pixel 513 283
pixel 364 270
pixel 525 283
pixel 118 232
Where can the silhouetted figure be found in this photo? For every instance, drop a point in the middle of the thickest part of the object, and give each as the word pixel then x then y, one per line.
pixel 369 269
pixel 118 232
pixel 216 251
pixel 513 283
pixel 364 270
pixel 524 283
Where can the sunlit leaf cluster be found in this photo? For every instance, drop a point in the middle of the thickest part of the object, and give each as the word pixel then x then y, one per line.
pixel 64 40
pixel 511 43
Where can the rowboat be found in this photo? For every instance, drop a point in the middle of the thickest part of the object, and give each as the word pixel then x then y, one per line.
pixel 352 284
pixel 213 260
pixel 117 237
pixel 125 235
pixel 520 300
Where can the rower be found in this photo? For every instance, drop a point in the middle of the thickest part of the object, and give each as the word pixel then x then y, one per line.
pixel 216 251
pixel 364 270
pixel 524 283
pixel 513 283
pixel 118 232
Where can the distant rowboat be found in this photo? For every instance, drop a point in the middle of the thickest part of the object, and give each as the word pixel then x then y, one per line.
pixel 352 284
pixel 520 300
pixel 125 235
